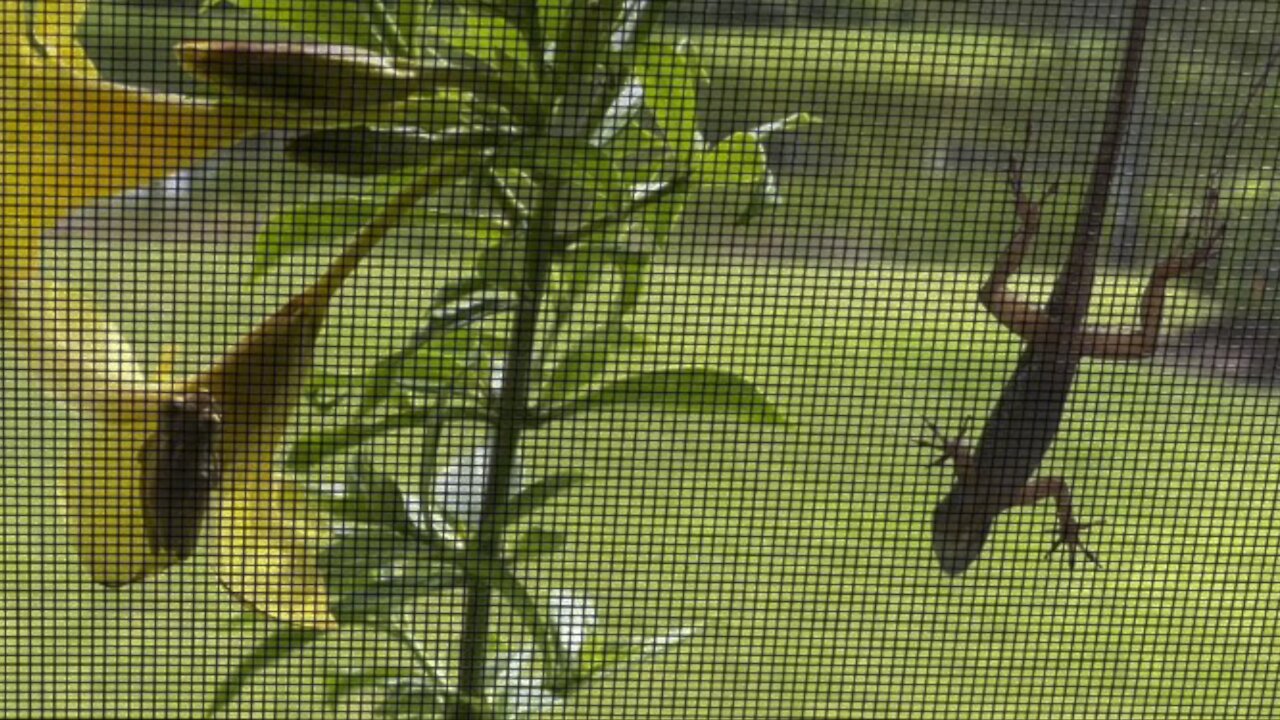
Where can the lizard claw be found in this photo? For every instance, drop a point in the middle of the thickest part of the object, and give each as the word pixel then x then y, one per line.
pixel 1026 208
pixel 949 447
pixel 1211 231
pixel 1069 537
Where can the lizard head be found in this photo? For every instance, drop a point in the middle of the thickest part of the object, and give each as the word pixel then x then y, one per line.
pixel 960 530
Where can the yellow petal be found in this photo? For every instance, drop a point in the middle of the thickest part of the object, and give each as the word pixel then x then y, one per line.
pixel 267 538
pixel 268 542
pixel 77 356
pixel 105 494
pixel 56 24
pixel 68 137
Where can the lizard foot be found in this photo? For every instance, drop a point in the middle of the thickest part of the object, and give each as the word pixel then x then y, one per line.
pixel 1069 537
pixel 950 448
pixel 1211 231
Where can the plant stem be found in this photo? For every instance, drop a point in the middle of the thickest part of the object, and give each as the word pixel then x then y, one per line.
pixel 512 420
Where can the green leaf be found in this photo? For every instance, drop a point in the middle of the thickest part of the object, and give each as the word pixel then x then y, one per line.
pixel 581 41
pixel 364 151
pixel 587 361
pixel 488 38
pixel 534 614
pixel 603 653
pixel 739 159
pixel 767 196
pixel 639 18
pixel 640 157
pixel 536 495
pixel 420 697
pixel 318 446
pixel 371 573
pixel 794 121
pixel 670 82
pixel 626 107
pixel 309 75
pixel 633 271
pixel 459 315
pixel 634 14
pixel 629 267
pixel 343 77
pixel 351 561
pixel 553 16
pixel 383 601
pixel 434 360
pixel 368 496
pixel 276 647
pixel 325 20
pixel 688 389
pixel 577 163
pixel 538 541
pixel 657 222
pixel 339 685
pixel 310 224
pixel 431 372
pixel 500 268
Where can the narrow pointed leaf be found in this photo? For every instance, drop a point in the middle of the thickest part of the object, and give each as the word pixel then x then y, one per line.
pixel 739 159
pixel 538 541
pixel 318 446
pixel 589 359
pixel 670 82
pixel 334 21
pixel 488 38
pixel 795 121
pixel 275 648
pixel 308 225
pixel 373 572
pixel 602 654
pixel 368 496
pixel 689 389
pixel 340 685
pixel 365 151
pixel 536 495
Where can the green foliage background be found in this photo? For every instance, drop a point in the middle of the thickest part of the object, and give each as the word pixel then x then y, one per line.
pixel 802 550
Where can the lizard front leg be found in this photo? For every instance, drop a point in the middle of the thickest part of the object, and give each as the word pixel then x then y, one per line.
pixel 1069 528
pixel 1142 341
pixel 1014 311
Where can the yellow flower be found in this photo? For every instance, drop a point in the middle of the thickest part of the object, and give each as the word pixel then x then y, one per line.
pixel 265 536
pixel 69 136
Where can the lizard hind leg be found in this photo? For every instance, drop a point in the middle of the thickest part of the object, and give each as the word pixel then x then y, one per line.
pixel 1142 341
pixel 1069 528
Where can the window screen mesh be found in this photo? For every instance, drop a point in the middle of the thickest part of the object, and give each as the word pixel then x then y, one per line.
pixel 599 359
